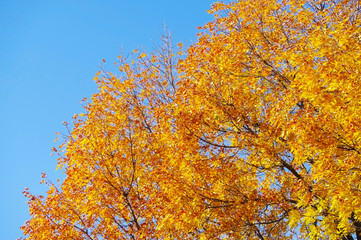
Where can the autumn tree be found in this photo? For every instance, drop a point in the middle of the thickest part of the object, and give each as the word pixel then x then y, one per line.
pixel 254 134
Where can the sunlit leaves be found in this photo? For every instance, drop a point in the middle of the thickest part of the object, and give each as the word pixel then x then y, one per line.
pixel 254 134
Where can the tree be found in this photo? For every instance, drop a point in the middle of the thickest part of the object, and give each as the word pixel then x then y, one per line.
pixel 255 134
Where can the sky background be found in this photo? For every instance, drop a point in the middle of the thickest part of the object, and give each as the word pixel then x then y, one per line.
pixel 49 53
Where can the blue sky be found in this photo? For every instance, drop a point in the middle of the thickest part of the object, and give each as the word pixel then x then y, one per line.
pixel 49 53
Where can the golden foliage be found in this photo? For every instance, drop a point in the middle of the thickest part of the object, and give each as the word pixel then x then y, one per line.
pixel 253 135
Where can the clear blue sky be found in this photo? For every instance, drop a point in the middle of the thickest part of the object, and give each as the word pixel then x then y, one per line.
pixel 49 53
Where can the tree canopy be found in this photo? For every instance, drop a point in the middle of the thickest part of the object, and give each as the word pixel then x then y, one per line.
pixel 253 132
